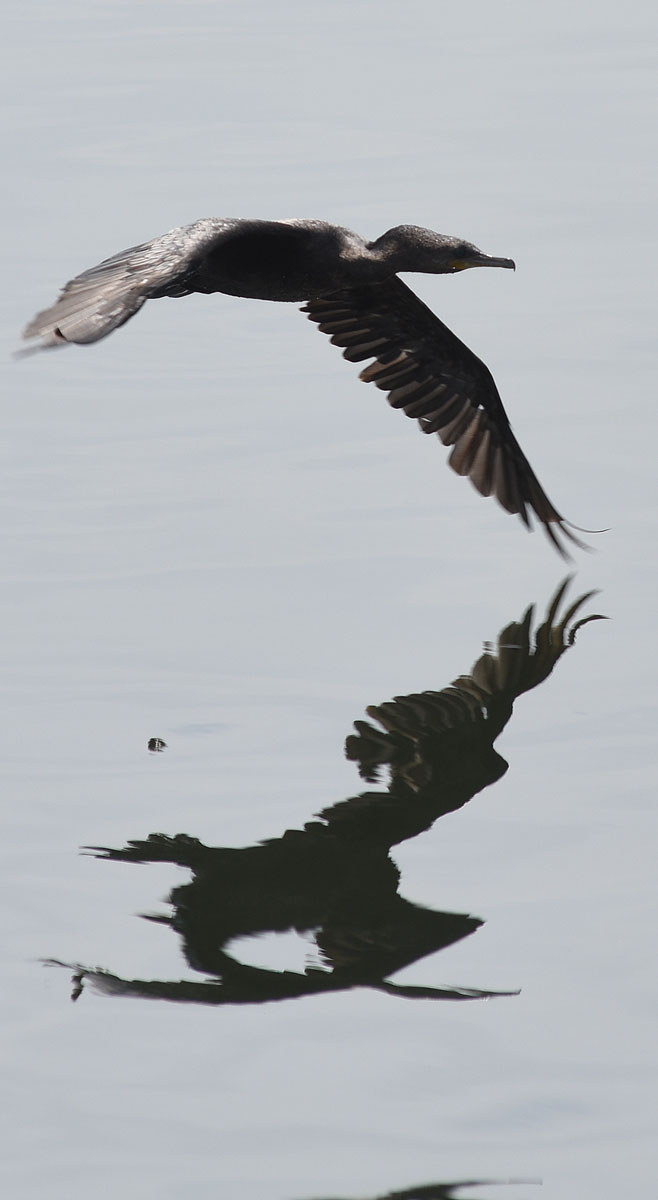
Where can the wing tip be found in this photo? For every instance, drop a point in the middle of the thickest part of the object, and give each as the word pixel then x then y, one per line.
pixel 42 338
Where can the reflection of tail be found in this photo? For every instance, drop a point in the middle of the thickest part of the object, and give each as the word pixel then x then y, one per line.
pixel 428 993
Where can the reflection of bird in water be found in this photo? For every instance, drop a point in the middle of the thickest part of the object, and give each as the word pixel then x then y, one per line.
pixel 352 292
pixel 334 880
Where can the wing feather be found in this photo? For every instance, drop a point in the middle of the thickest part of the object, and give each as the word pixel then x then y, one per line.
pixel 106 296
pixel 432 376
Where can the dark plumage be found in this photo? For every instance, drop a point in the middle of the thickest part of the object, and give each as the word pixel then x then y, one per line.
pixel 351 291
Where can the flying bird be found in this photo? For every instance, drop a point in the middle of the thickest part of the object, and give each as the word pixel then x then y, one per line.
pixel 351 290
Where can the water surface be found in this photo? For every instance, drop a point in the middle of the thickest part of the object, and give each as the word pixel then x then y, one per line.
pixel 214 534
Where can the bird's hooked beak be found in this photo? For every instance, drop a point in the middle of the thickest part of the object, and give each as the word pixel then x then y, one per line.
pixel 478 259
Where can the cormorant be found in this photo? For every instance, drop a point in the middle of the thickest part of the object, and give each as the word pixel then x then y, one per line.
pixel 352 292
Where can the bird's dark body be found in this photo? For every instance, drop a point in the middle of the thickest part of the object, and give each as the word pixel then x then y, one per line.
pixel 351 291
pixel 272 260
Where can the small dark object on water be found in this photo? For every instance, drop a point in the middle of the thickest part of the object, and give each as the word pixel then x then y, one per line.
pixel 156 745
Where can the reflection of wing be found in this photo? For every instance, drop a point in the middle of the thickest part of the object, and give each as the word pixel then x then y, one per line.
pixel 473 710
pixel 106 296
pixel 437 1191
pixel 432 376
pixel 376 936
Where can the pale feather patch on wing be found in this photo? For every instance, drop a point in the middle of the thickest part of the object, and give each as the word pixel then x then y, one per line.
pixel 104 297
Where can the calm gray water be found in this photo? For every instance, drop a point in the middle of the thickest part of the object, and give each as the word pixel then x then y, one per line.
pixel 213 533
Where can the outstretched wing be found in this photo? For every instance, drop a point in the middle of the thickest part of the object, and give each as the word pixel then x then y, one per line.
pixel 432 376
pixel 105 297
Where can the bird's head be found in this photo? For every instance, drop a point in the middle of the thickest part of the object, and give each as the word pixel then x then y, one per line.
pixel 412 248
